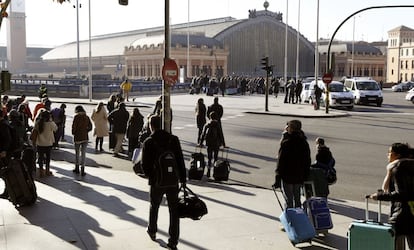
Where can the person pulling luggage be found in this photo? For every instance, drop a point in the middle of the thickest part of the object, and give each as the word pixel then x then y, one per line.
pixel 213 135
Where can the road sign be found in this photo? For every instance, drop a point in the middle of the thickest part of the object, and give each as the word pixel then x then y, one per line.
pixel 170 71
pixel 327 78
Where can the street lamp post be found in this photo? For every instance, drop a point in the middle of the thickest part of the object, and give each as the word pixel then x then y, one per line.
pixel 77 40
pixel 90 56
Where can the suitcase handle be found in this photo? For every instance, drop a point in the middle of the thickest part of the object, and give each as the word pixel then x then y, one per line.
pixel 225 149
pixel 367 197
pixel 277 197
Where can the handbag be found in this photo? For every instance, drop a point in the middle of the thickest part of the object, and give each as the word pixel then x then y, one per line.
pixel 189 205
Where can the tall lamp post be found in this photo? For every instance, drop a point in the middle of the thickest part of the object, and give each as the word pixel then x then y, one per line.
pixel 90 56
pixel 77 39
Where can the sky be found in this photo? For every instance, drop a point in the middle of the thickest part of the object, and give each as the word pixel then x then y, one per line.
pixel 49 23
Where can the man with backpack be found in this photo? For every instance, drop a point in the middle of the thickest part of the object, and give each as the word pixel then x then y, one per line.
pixel 163 164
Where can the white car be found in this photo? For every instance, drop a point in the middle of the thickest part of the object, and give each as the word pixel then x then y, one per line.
pixel 308 91
pixel 339 96
pixel 410 96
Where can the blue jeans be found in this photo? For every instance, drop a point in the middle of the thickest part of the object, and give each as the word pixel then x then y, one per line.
pixel 291 192
pixel 80 148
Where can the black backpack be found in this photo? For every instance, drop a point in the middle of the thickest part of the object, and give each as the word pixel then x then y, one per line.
pixel 166 174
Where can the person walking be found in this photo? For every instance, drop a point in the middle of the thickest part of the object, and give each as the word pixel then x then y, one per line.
pixel 216 107
pixel 45 128
pixel 119 119
pixel 294 162
pixel 400 194
pixel 135 124
pixel 213 135
pixel 159 140
pixel 100 119
pixel 201 114
pixel 80 128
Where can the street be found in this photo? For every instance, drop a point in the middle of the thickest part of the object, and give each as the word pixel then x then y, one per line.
pixel 359 142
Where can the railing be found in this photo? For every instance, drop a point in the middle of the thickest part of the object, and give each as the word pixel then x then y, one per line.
pixel 77 88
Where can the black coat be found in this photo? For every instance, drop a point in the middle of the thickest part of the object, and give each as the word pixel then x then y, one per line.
pixel 294 158
pixel 402 198
pixel 149 154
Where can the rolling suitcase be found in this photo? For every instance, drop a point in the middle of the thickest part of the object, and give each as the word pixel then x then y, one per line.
pixel 296 224
pixel 222 167
pixel 20 184
pixel 197 165
pixel 370 234
pixel 319 214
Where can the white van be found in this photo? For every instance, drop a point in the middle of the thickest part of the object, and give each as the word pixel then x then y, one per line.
pixel 365 90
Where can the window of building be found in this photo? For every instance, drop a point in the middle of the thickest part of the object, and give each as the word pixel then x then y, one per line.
pixel 381 72
pixel 392 72
pixel 392 59
pixel 406 64
pixel 366 72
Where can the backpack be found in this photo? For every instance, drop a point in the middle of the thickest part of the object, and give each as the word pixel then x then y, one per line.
pixel 56 114
pixel 166 174
pixel 329 169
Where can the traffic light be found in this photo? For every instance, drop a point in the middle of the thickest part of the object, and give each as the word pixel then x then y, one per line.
pixel 5 80
pixel 265 63
pixel 123 2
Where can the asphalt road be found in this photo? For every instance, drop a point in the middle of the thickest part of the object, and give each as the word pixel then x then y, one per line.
pixel 359 142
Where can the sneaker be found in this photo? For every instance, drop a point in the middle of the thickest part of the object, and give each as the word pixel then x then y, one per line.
pixel 208 173
pixel 76 171
pixel 171 247
pixel 151 235
pixel 83 173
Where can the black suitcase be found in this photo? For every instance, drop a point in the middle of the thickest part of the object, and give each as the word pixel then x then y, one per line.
pixel 20 184
pixel 197 166
pixel 222 168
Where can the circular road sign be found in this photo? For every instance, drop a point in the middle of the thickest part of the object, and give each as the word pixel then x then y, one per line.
pixel 327 78
pixel 170 71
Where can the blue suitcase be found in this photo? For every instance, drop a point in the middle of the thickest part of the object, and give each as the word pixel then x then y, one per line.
pixel 296 224
pixel 318 212
pixel 370 234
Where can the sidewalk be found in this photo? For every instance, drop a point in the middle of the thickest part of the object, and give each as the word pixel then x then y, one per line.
pixel 108 209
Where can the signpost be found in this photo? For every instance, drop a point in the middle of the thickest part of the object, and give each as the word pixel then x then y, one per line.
pixel 327 79
pixel 170 71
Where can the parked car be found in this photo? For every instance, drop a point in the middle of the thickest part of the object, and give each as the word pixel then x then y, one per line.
pixel 308 90
pixel 404 86
pixel 339 96
pixel 410 95
pixel 365 90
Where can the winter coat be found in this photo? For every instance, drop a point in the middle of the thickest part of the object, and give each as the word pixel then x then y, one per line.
pixel 135 125
pixel 80 127
pixel 201 115
pixel 100 120
pixel 46 137
pixel 401 197
pixel 294 158
pixel 119 119
pixel 149 154
pixel 213 135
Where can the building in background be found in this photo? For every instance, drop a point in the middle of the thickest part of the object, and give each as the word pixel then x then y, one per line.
pixel 400 59
pixel 368 60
